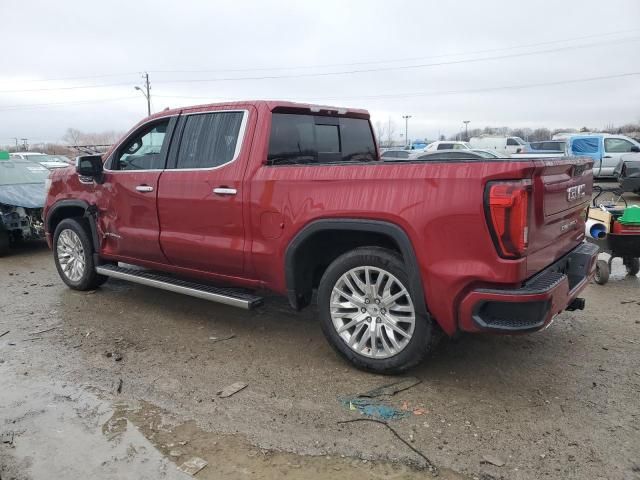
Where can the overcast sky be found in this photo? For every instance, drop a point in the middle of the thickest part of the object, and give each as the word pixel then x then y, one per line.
pixel 440 62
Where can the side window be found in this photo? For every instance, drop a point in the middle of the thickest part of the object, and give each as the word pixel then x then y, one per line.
pixel 511 142
pixel 617 145
pixel 403 155
pixel 300 139
pixel 458 146
pixel 209 139
pixel 444 146
pixel 143 151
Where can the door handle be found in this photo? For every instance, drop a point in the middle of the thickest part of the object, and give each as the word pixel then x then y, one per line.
pixel 144 188
pixel 225 191
pixel 608 156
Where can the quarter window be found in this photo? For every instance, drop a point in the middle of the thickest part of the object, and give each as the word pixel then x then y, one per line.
pixel 143 151
pixel 617 145
pixel 209 139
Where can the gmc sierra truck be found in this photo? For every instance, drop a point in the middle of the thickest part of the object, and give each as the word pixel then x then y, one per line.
pixel 222 201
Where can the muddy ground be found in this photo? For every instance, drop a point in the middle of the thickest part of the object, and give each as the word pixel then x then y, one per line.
pixel 122 383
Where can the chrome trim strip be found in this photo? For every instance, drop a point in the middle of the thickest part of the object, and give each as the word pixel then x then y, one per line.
pixel 192 292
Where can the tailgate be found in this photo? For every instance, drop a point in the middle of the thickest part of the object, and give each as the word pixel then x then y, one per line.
pixel 561 191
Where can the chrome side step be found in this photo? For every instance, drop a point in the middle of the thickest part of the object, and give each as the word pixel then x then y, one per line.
pixel 228 296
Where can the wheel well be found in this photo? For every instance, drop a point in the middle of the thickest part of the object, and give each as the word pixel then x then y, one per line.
pixel 314 254
pixel 61 213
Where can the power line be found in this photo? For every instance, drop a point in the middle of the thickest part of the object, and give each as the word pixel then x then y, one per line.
pixel 408 59
pixel 81 102
pixel 346 72
pixel 438 93
pixel 60 79
pixel 398 67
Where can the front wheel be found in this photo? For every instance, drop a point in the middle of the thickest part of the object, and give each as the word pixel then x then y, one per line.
pixel 73 254
pixel 368 312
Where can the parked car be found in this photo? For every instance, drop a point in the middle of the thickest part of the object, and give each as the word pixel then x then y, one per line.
pixel 500 144
pixel 293 198
pixel 628 171
pixel 605 149
pixel 22 192
pixel 447 145
pixel 549 146
pixel 48 161
pixel 399 154
pixel 454 155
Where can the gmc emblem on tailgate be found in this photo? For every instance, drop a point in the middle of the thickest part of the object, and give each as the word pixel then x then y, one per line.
pixel 575 193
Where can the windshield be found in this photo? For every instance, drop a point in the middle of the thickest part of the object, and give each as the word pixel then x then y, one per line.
pixel 48 158
pixel 19 173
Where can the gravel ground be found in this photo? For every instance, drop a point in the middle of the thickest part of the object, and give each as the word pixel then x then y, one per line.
pixel 123 382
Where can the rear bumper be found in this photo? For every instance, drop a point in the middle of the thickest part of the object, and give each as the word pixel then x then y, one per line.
pixel 533 305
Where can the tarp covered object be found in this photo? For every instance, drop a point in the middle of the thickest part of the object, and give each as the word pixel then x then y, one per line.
pixel 30 195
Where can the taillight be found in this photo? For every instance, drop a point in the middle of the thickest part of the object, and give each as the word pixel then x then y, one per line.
pixel 507 206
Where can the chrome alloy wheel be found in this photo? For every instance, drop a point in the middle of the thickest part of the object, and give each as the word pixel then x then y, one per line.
pixel 372 312
pixel 70 255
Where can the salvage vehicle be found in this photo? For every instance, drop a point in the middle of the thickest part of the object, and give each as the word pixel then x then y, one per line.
pixel 222 200
pixel 605 149
pixel 22 191
pixel 628 171
pixel 48 161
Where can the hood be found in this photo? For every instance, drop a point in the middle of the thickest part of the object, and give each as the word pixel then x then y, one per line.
pixel 28 195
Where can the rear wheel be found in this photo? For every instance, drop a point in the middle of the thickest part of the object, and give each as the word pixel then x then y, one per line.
pixel 632 264
pixel 73 254
pixel 602 272
pixel 368 312
pixel 4 243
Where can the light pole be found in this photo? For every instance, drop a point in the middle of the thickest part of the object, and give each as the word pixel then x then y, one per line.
pixel 146 92
pixel 466 129
pixel 406 129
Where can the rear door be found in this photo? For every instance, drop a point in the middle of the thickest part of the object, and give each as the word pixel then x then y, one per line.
pixel 126 199
pixel 200 203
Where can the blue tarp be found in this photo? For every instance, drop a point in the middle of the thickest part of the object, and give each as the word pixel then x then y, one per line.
pixel 585 145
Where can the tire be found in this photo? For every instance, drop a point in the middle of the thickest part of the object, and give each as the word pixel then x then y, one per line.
pixel 4 243
pixel 73 255
pixel 632 264
pixel 602 272
pixel 412 345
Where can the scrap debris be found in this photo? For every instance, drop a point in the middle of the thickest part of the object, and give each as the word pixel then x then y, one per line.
pixel 498 462
pixel 221 339
pixel 428 463
pixel 7 437
pixel 193 465
pixel 3 334
pixel 373 403
pixel 232 389
pixel 44 331
pixel 391 388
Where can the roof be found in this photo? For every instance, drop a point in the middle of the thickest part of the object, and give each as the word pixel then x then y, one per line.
pixel 270 105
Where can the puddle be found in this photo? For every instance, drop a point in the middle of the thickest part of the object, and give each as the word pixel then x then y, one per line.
pixel 232 456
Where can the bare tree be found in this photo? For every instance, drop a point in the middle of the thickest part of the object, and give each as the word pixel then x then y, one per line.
pixel 72 136
pixel 380 132
pixel 391 130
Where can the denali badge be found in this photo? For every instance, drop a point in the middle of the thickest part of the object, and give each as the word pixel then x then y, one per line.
pixel 575 193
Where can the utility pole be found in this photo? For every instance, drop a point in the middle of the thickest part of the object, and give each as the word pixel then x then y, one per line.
pixel 406 129
pixel 25 144
pixel 16 139
pixel 466 130
pixel 146 91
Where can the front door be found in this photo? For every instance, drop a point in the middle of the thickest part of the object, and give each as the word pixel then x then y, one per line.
pixel 200 203
pixel 614 148
pixel 127 198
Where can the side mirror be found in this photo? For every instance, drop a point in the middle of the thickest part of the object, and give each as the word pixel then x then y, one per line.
pixel 635 149
pixel 90 166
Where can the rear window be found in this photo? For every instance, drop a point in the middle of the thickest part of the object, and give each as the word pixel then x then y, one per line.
pixel 299 139
pixel 585 145
pixel 445 146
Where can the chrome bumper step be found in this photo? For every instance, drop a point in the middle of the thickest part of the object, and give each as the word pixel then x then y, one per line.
pixel 228 296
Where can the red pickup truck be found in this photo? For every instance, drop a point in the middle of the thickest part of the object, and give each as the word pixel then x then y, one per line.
pixel 220 201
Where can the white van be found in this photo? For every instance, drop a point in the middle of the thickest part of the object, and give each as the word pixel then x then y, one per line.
pixel 500 144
